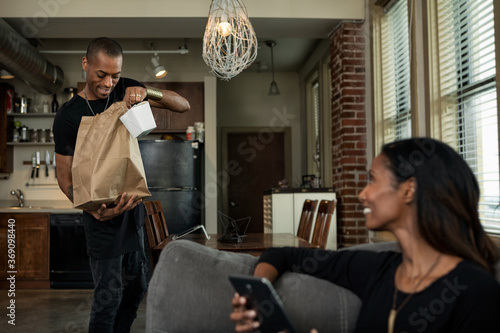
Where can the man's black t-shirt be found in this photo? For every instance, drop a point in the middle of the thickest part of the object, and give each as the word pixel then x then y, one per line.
pixel 124 233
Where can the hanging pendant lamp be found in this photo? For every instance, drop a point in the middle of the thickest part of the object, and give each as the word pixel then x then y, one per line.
pixel 229 43
pixel 273 89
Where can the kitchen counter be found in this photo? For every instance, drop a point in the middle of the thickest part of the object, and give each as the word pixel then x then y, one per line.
pixel 299 190
pixel 39 206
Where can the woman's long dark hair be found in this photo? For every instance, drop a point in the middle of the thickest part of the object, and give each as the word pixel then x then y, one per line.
pixel 447 198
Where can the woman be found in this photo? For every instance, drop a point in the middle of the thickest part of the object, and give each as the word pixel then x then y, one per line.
pixel 423 192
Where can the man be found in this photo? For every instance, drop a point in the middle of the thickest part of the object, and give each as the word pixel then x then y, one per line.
pixel 114 234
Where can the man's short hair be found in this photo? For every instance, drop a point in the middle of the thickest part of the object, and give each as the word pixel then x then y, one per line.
pixel 108 46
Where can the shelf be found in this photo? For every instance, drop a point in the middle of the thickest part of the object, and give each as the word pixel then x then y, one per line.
pixel 29 144
pixel 30 115
pixel 31 163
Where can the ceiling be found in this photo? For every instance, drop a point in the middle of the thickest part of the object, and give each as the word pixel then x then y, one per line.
pixel 296 38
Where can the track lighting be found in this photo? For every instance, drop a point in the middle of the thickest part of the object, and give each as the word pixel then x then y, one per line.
pixel 158 69
pixel 4 74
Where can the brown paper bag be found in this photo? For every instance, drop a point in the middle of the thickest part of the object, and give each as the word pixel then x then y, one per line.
pixel 107 161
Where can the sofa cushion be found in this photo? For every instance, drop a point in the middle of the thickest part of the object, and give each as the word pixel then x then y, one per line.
pixel 190 292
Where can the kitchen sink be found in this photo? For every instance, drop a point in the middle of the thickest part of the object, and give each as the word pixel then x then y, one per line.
pixel 25 207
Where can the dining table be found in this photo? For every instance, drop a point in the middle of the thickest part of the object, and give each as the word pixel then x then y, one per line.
pixel 252 243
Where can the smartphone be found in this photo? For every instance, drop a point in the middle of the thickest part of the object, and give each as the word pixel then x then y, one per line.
pixel 262 297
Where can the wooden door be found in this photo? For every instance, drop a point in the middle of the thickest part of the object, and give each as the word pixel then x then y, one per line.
pixel 255 161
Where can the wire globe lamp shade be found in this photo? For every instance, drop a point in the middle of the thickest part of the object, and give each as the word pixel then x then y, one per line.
pixel 229 43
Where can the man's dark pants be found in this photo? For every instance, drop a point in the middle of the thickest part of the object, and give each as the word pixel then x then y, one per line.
pixel 119 287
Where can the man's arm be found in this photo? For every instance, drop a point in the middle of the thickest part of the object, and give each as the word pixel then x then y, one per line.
pixel 65 181
pixel 64 175
pixel 169 99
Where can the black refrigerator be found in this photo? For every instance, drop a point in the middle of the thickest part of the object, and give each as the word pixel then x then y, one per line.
pixel 174 173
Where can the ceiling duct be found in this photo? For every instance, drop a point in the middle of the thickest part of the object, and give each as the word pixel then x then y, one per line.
pixel 23 60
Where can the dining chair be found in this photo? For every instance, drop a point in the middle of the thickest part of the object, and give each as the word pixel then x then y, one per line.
pixel 306 219
pixel 323 221
pixel 156 227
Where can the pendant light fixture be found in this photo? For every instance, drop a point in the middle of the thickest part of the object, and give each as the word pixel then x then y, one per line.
pixel 229 43
pixel 273 89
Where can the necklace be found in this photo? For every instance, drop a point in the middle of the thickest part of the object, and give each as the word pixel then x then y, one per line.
pixel 107 101
pixel 394 311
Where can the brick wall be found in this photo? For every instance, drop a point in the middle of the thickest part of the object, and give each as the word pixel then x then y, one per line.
pixel 347 58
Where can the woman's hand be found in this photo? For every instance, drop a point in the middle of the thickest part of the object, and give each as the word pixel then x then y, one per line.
pixel 245 319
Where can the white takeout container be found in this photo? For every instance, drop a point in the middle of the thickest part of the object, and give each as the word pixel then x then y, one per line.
pixel 139 120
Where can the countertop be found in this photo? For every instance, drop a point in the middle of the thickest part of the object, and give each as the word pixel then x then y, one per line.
pixel 299 190
pixel 39 206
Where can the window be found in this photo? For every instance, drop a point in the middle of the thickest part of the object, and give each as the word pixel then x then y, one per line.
pixel 447 48
pixel 465 115
pixel 318 101
pixel 392 54
pixel 317 115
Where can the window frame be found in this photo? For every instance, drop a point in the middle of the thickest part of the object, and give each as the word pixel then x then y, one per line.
pixel 437 129
pixel 425 117
pixel 320 74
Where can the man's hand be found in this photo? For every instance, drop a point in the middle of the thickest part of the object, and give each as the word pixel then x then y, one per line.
pixel 134 95
pixel 106 214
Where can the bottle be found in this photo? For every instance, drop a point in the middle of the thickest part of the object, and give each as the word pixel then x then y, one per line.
pixel 200 134
pixel 190 132
pixel 15 135
pixel 55 104
pixel 45 107
pixel 199 128
pixel 24 134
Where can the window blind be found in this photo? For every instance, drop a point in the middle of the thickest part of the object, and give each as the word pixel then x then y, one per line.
pixel 467 89
pixel 395 49
pixel 316 110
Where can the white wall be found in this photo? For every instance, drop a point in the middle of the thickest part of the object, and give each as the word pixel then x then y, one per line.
pixel 342 9
pixel 243 102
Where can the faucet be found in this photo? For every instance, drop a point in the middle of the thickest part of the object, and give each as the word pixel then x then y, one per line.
pixel 19 195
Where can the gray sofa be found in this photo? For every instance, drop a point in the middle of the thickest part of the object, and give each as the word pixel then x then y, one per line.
pixel 189 292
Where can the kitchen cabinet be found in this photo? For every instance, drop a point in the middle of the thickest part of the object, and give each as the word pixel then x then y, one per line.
pixel 174 122
pixel 31 249
pixel 283 208
pixel 6 126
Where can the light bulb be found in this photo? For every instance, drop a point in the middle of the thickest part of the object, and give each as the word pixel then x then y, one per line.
pixel 224 28
pixel 160 73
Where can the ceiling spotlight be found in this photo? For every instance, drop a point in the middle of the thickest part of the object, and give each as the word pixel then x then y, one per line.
pixel 5 75
pixel 273 89
pixel 158 69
